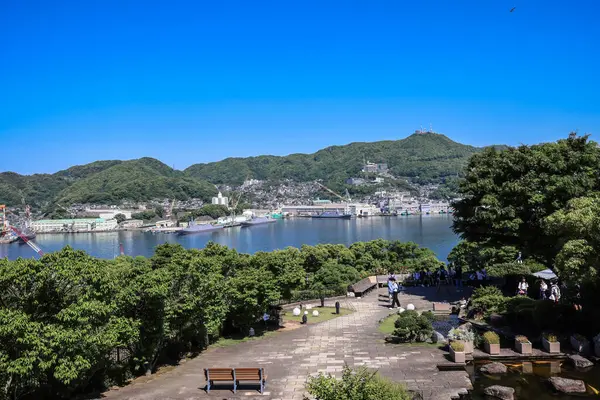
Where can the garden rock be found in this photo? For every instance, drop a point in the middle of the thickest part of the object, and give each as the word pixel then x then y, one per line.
pixel 494 368
pixel 580 362
pixel 565 385
pixel 437 337
pixel 500 392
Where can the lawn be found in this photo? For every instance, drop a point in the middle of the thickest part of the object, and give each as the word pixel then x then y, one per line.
pixel 325 314
pixel 387 326
pixel 260 332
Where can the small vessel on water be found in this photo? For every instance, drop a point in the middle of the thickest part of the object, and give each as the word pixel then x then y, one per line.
pixel 199 228
pixel 333 214
pixel 258 221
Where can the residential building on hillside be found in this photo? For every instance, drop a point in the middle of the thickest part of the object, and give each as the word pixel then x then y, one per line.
pixel 375 168
pixel 108 213
pixel 220 200
pixel 355 181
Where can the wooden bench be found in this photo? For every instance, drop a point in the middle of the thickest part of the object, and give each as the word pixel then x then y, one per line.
pixel 235 375
pixel 363 286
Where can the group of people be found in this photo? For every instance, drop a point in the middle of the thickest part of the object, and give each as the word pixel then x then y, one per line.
pixel 551 292
pixel 439 276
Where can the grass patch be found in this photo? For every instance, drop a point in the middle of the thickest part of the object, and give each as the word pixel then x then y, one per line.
pixel 231 340
pixel 325 314
pixel 387 326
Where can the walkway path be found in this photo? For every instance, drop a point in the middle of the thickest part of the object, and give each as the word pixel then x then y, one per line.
pixel 289 357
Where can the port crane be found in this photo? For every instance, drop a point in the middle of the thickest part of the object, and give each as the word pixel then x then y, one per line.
pixel 6 227
pixel 344 199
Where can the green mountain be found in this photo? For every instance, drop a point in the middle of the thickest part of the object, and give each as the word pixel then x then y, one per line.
pixel 423 158
pixel 103 182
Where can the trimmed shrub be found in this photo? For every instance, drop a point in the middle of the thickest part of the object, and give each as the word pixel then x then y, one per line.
pixel 457 346
pixel 412 327
pixel 491 338
pixel 360 384
pixel 486 291
pixel 490 304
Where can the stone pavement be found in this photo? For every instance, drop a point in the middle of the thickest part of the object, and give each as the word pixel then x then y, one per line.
pixel 289 357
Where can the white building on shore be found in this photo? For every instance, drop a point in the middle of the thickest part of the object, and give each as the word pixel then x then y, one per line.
pixel 220 200
pixel 74 225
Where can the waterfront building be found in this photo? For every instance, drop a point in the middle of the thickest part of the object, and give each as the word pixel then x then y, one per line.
pixel 74 225
pixel 132 223
pixel 108 213
pixel 318 202
pixel 220 200
pixel 353 208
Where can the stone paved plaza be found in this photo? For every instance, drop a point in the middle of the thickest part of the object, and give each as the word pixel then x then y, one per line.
pixel 290 357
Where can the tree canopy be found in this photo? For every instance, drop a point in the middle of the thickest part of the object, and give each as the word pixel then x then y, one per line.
pixel 71 323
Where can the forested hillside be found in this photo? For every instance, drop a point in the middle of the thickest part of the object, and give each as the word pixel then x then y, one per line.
pixel 427 157
pixel 103 182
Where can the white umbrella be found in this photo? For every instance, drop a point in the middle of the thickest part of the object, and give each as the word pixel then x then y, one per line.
pixel 545 274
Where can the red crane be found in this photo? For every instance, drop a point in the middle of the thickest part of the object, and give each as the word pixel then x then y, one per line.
pixel 24 238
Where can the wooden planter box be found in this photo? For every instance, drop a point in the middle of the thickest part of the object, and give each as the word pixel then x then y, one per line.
pixel 580 347
pixel 492 349
pixel 551 347
pixel 457 357
pixel 523 348
pixel 469 347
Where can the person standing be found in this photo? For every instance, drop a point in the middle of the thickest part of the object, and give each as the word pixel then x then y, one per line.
pixel 543 290
pixel 554 292
pixel 391 282
pixel 395 290
pixel 459 273
pixel 522 287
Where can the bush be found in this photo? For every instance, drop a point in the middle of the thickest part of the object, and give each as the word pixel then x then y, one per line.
pixel 302 295
pixel 490 304
pixel 429 315
pixel 491 338
pixel 360 384
pixel 461 335
pixel 550 337
pixel 458 346
pixel 486 291
pixel 412 327
pixel 521 339
pixel 518 303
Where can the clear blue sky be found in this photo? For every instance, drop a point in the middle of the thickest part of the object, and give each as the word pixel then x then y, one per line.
pixel 199 81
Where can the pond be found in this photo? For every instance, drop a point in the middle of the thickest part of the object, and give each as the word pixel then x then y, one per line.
pixel 529 379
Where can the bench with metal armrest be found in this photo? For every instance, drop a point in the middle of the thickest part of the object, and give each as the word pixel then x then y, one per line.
pixel 235 375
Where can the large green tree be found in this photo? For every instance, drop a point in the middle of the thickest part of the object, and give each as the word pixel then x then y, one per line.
pixel 508 195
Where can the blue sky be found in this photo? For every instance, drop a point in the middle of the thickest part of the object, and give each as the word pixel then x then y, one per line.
pixel 199 81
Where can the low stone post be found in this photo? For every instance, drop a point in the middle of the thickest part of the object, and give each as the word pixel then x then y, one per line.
pixel 337 307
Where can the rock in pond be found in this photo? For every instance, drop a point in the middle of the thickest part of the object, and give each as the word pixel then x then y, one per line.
pixel 493 368
pixel 467 326
pixel 437 337
pixel 580 362
pixel 500 392
pixel 565 385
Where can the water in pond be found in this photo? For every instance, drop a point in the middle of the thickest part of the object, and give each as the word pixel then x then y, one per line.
pixel 529 379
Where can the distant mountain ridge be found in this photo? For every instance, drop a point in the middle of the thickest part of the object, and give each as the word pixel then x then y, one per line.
pixel 422 158
pixel 103 182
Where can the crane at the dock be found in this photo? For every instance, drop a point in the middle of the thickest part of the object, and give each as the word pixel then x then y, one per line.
pixel 344 199
pixel 7 229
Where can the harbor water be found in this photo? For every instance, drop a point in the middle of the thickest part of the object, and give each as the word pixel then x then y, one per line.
pixel 432 231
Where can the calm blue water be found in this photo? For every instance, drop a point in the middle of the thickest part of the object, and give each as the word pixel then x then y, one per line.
pixel 432 231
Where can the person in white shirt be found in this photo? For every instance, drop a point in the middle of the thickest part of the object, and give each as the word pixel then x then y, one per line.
pixel 543 290
pixel 522 288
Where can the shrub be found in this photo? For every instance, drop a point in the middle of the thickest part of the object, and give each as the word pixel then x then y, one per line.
pixel 511 268
pixel 486 291
pixel 412 327
pixel 429 315
pixel 490 304
pixel 461 335
pixel 359 384
pixel 491 338
pixel 550 337
pixel 522 339
pixel 458 346
pixel 518 303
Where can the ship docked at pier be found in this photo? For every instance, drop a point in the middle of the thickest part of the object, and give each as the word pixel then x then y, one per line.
pixel 194 228
pixel 258 221
pixel 333 214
